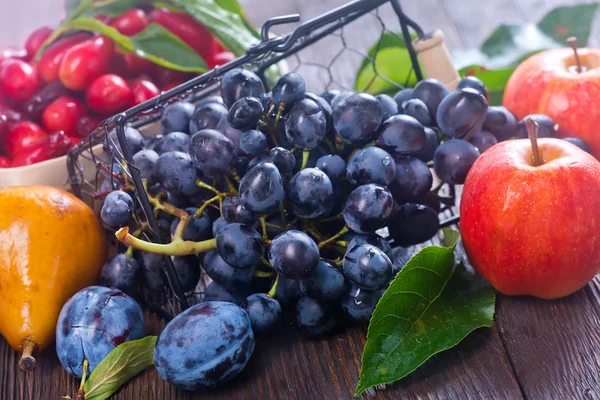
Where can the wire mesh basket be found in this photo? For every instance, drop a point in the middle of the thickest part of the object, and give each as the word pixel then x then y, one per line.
pixel 339 31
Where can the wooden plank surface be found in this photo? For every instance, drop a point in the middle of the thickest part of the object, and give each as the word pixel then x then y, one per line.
pixel 536 349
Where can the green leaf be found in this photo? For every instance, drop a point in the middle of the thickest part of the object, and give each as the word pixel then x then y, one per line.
pixel 154 43
pixel 120 365
pixel 168 6
pixel 563 22
pixel 227 26
pixel 429 307
pixel 494 80
pixel 90 8
pixel 235 7
pixel 390 64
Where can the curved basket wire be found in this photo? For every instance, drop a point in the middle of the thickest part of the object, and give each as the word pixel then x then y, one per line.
pixel 93 164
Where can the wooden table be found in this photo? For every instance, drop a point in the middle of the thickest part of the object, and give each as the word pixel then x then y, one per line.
pixel 535 349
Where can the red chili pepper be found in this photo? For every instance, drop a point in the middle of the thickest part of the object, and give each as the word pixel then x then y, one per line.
pixel 56 145
pixel 184 26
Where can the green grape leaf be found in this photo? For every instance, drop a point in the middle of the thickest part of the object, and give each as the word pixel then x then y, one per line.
pixel 154 43
pixel 123 363
pixel 90 8
pixel 429 307
pixel 563 22
pixel 229 27
pixel 391 64
pixel 235 7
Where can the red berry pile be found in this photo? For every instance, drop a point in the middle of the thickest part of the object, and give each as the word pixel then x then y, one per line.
pixel 48 104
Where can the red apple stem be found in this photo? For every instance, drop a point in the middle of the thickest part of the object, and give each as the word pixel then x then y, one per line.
pixel 572 41
pixel 532 132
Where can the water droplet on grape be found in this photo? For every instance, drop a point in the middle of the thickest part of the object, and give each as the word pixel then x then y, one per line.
pixel 386 161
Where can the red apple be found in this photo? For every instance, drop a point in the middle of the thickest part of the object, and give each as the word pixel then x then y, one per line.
pixel 548 83
pixel 533 230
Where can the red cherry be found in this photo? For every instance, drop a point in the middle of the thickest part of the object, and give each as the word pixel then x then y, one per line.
pixel 18 80
pixel 22 136
pixel 87 125
pixel 63 114
pixel 171 86
pixel 55 145
pixel 74 140
pixel 36 39
pixel 5 162
pixel 163 76
pixel 143 90
pixel 51 59
pixel 137 65
pixel 130 22
pixel 17 54
pixel 109 94
pixel 85 62
pixel 222 58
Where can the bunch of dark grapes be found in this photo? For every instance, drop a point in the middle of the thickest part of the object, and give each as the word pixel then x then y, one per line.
pixel 289 200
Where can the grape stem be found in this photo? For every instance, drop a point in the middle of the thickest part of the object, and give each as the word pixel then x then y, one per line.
pixel 341 243
pixel 273 290
pixel 532 132
pixel 305 155
pixel 332 218
pixel 262 274
pixel 263 224
pixel 175 248
pixel 572 41
pixel 264 261
pixel 333 238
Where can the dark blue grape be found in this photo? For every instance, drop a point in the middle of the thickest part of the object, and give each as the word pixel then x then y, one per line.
pixel 144 160
pixel 306 124
pixel 288 89
pixel 240 164
pixel 235 135
pixel 401 256
pixel 326 283
pixel 288 291
pixel 216 292
pixel 358 304
pixel 261 189
pixel 294 254
pixel 413 179
pixel 368 267
pixel 432 141
pixel 176 117
pixel 212 152
pixel 210 99
pixel 473 83
pixel 371 165
pixel 253 142
pixel 402 96
pixel 120 272
pixel 197 229
pixel 208 116
pixel 368 208
pixel 177 173
pixel 174 141
pixel 333 165
pixel 431 92
pixel 153 272
pixel 151 141
pixel 339 97
pixel 483 140
pixel 314 318
pixel 453 159
pixel 230 278
pixel 239 83
pixel 314 155
pixel 329 94
pixel 325 106
pixel 187 269
pixel 417 109
pixel 401 135
pixel 205 346
pixel 234 211
pixel 92 323
pixel 135 141
pixel 264 312
pixel 117 209
pixel 462 113
pixel 239 245
pixel 262 158
pixel 547 127
pixel 245 113
pixel 310 192
pixel 582 144
pixel 283 159
pixel 413 224
pixel 357 117
pixel 374 240
pixel 217 225
pixel 389 107
pixel 501 122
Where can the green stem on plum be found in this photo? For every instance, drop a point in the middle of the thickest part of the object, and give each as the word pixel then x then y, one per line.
pixel 80 395
pixel 305 155
pixel 263 274
pixel 175 248
pixel 273 290
pixel 532 132
pixel 333 238
pixel 199 211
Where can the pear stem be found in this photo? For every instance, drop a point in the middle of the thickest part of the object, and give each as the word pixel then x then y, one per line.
pixel 27 362
pixel 532 131
pixel 572 41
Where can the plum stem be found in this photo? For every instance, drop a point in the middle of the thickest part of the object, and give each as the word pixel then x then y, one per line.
pixel 572 41
pixel 86 364
pixel 27 361
pixel 532 132
pixel 333 238
pixel 175 248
